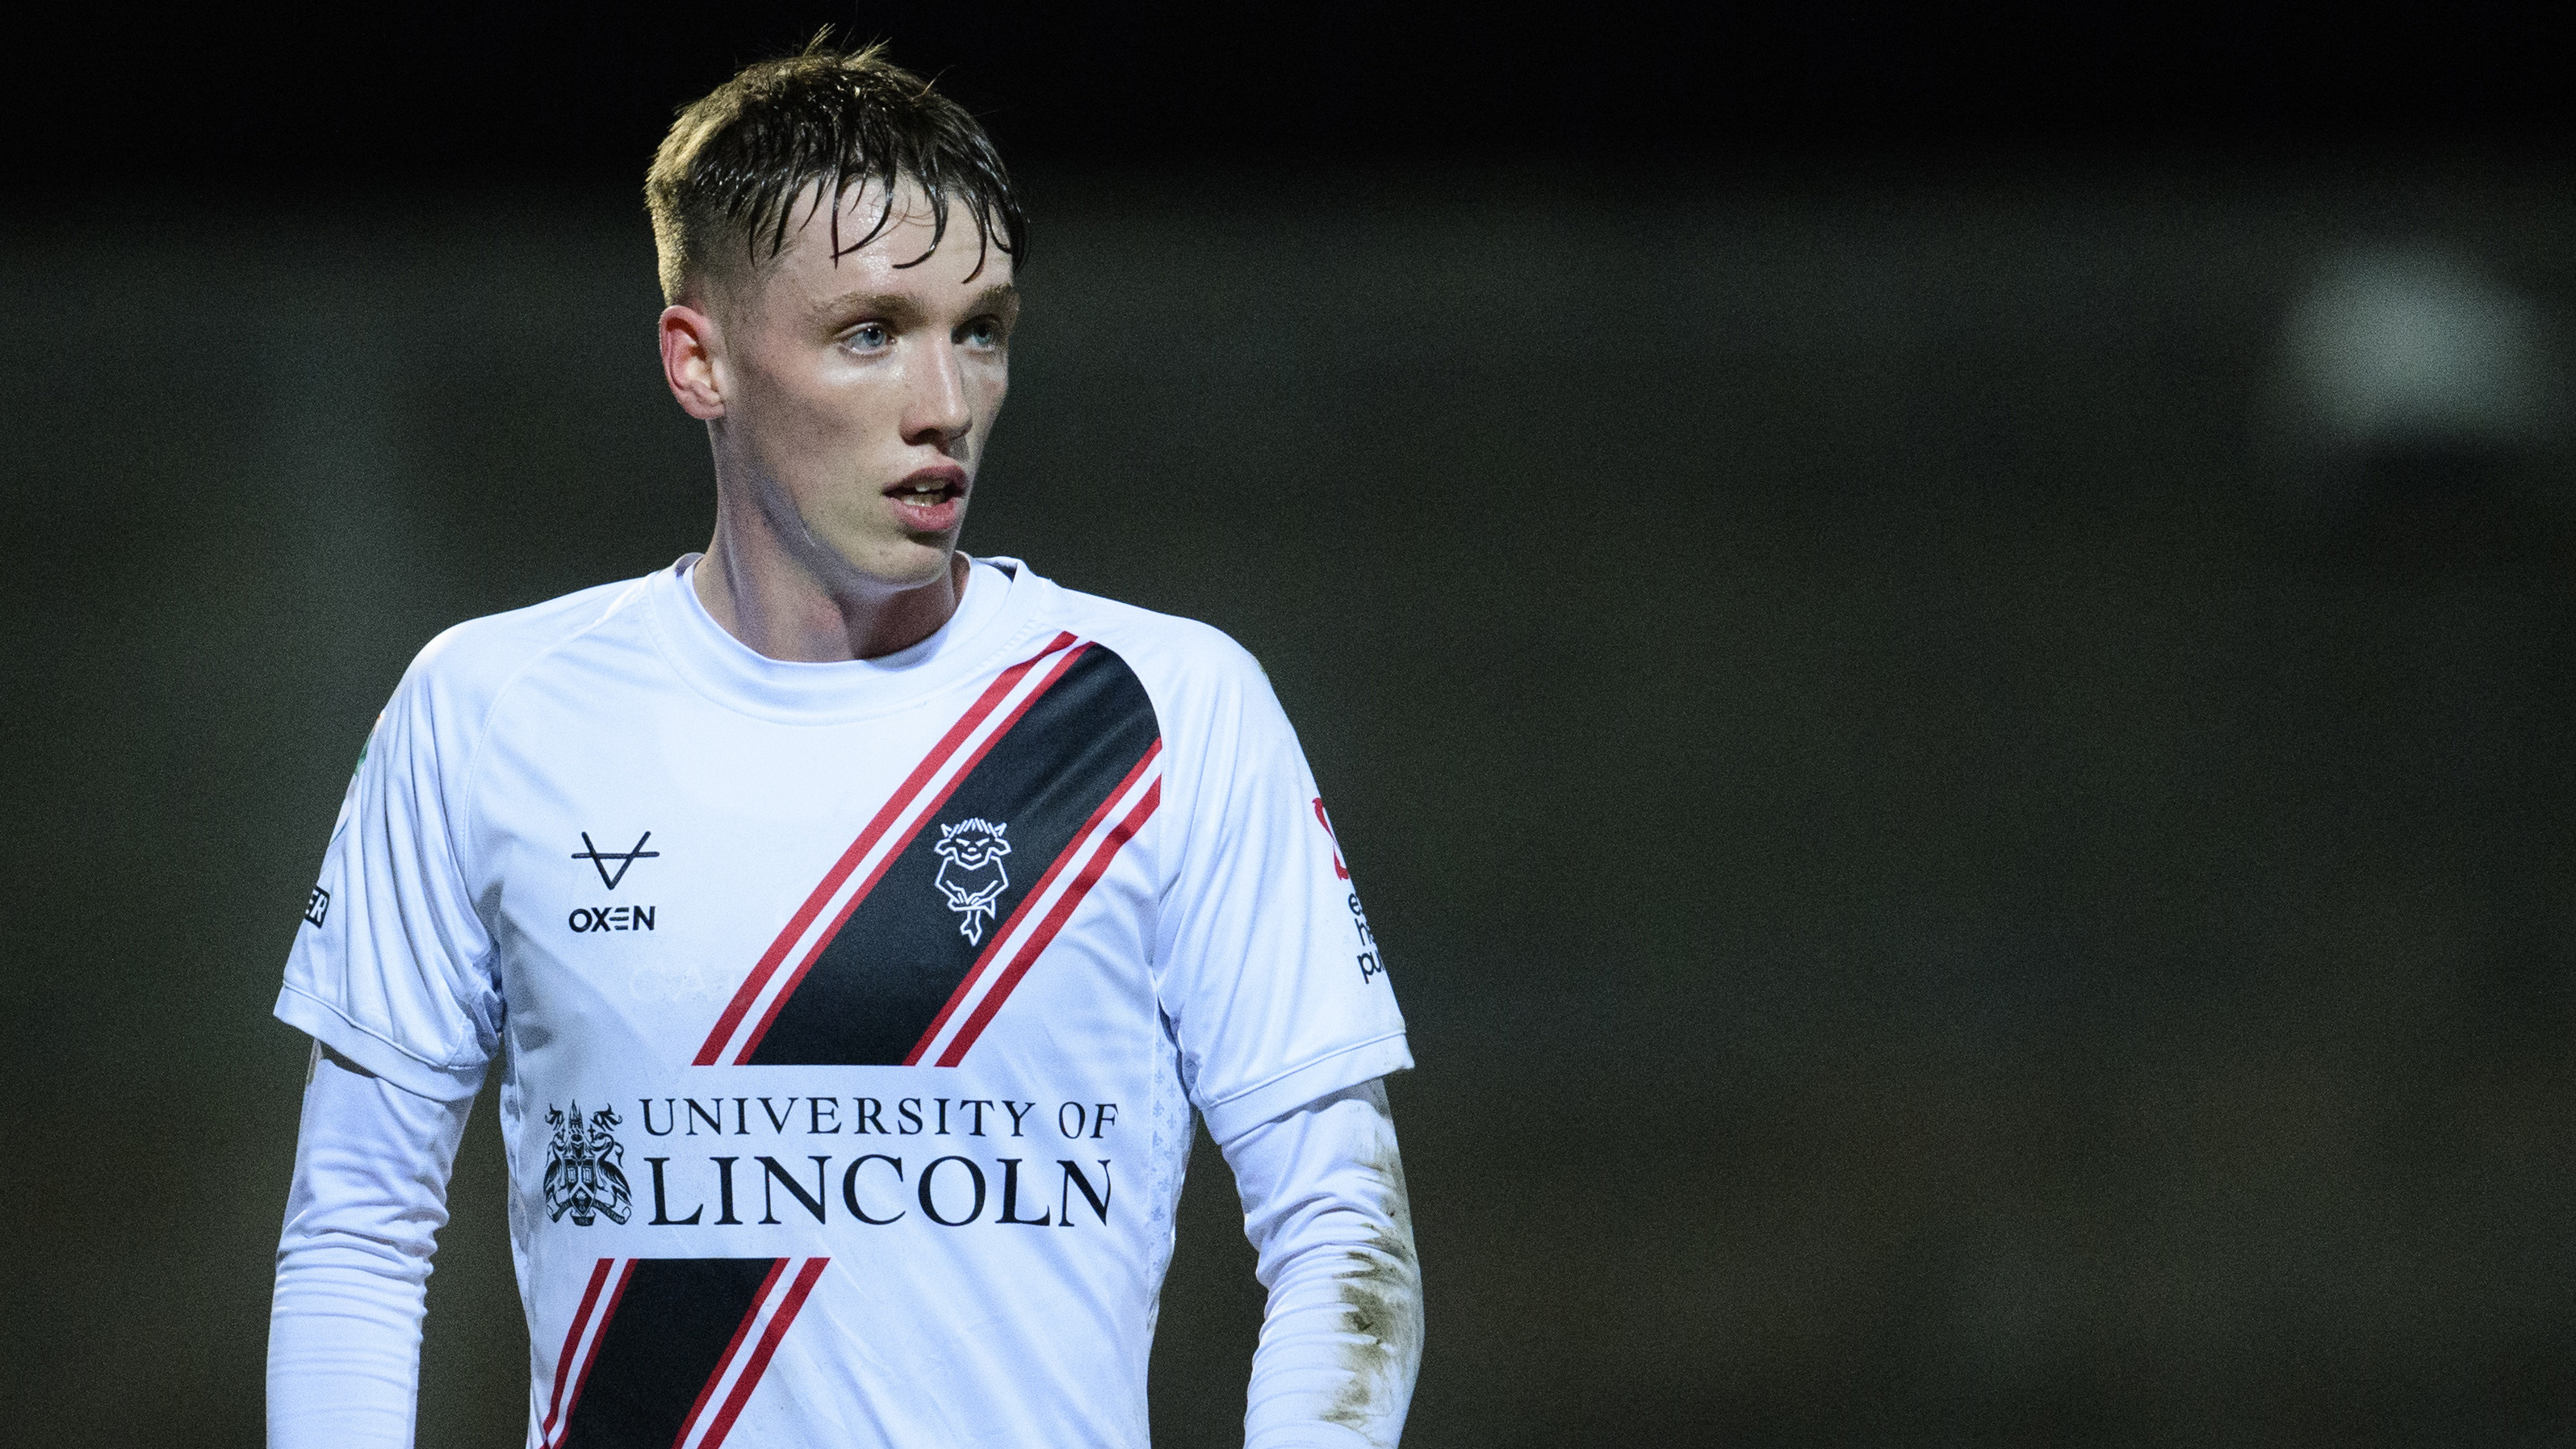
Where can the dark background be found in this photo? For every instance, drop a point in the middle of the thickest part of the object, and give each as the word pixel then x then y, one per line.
pixel 1960 870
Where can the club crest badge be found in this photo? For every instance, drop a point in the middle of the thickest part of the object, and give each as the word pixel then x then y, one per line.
pixel 585 1168
pixel 970 872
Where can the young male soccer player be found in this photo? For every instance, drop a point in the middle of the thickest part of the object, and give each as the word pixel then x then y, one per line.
pixel 856 923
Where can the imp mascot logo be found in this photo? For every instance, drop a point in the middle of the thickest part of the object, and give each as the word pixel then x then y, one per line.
pixel 970 871
pixel 585 1172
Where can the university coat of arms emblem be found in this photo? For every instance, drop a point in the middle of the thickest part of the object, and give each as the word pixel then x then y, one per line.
pixel 970 872
pixel 585 1168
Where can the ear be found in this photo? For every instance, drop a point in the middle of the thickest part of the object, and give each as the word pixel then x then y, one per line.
pixel 692 346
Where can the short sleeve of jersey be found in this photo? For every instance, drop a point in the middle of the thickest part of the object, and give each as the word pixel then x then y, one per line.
pixel 1266 965
pixel 391 964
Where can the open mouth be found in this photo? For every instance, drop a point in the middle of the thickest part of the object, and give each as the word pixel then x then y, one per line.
pixel 931 497
pixel 926 491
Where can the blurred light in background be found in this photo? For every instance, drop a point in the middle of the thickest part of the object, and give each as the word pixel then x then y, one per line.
pixel 2418 383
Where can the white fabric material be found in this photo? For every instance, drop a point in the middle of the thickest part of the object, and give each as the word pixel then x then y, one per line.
pixel 362 1218
pixel 1324 1206
pixel 1341 1338
pixel 704 899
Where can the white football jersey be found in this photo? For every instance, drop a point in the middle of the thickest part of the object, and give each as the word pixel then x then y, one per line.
pixel 853 1012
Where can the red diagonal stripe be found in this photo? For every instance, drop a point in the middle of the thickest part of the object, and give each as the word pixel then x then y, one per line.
pixel 759 1364
pixel 1028 903
pixel 1092 870
pixel 1055 673
pixel 607 1315
pixel 850 858
pixel 572 1340
pixel 741 1331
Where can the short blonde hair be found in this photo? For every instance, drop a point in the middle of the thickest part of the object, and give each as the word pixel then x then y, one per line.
pixel 737 159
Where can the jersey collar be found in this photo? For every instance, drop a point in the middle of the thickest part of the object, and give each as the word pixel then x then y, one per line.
pixel 1000 607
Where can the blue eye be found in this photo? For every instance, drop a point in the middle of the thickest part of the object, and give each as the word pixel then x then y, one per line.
pixel 984 332
pixel 868 337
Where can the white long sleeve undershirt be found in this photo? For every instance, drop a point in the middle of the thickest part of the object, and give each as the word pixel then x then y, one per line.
pixel 362 1217
pixel 1325 1207
pixel 1323 1199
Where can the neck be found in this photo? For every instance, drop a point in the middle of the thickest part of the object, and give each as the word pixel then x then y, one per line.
pixel 785 612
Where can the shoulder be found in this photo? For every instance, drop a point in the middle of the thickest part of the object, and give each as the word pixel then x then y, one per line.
pixel 1220 723
pixel 1188 668
pixel 459 675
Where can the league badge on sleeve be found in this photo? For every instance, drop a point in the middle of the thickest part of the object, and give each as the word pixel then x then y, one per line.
pixel 970 871
pixel 1340 871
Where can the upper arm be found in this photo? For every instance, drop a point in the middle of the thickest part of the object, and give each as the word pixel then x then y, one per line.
pixel 391 965
pixel 1265 960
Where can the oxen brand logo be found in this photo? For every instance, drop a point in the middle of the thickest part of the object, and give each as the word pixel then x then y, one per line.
pixel 625 859
pixel 970 871
pixel 585 1168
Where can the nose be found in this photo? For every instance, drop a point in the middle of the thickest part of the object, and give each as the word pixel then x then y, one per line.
pixel 937 412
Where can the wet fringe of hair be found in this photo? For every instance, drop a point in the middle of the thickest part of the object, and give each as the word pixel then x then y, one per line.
pixel 835 120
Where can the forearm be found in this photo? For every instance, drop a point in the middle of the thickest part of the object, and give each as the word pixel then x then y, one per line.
pixel 1325 1206
pixel 368 1198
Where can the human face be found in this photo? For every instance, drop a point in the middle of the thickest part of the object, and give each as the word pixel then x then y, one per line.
pixel 851 396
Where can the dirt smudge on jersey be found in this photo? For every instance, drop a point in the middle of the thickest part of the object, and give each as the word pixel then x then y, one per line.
pixel 1382 1304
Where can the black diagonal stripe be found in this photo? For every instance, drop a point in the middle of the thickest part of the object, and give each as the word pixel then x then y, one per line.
pixel 658 1352
pixel 894 962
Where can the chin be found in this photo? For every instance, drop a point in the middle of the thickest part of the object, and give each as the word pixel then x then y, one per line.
pixel 905 563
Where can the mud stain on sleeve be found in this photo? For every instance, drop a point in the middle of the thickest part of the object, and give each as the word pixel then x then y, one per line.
pixel 1381 1294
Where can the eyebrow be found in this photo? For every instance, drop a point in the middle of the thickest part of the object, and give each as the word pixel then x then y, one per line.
pixel 1000 297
